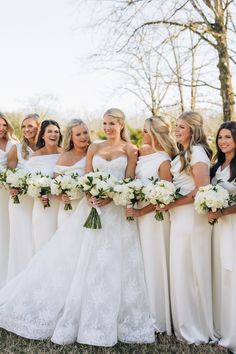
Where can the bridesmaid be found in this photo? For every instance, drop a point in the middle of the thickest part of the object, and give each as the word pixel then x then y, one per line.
pixel 154 161
pixel 224 239
pixel 190 236
pixel 6 133
pixel 20 215
pixel 75 144
pixel 44 220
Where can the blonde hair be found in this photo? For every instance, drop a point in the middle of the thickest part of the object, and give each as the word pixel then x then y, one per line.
pixel 119 115
pixel 10 131
pixel 195 121
pixel 25 141
pixel 159 130
pixel 67 139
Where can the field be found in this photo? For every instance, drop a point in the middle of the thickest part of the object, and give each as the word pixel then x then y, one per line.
pixel 10 343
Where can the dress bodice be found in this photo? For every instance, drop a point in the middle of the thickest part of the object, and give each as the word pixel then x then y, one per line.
pixel 115 167
pixel 223 176
pixel 43 163
pixel 21 161
pixel 3 154
pixel 183 180
pixel 78 167
pixel 148 165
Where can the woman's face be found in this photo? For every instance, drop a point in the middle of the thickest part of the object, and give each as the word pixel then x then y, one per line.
pixel 226 142
pixel 183 132
pixel 146 136
pixel 51 135
pixel 3 128
pixel 111 127
pixel 29 129
pixel 80 136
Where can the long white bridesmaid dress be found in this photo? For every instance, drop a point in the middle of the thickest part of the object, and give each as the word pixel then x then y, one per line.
pixel 4 220
pixel 20 220
pixel 44 220
pixel 85 285
pixel 224 269
pixel 79 168
pixel 190 261
pixel 154 237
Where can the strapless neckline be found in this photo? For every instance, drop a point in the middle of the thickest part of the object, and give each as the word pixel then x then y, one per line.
pixel 103 158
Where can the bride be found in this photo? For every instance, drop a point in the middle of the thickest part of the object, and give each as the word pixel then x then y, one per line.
pixel 86 285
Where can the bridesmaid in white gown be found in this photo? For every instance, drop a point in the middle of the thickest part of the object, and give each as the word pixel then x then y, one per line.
pixel 224 239
pixel 86 285
pixel 75 145
pixel 20 215
pixel 6 132
pixel 190 236
pixel 44 220
pixel 154 161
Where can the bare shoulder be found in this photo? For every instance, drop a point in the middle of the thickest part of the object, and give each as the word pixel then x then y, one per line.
pixel 63 158
pixel 94 147
pixel 131 150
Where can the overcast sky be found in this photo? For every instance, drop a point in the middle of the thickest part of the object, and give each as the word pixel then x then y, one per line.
pixel 44 45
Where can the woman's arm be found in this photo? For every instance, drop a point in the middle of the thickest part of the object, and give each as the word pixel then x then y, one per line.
pixel 219 213
pixel 164 171
pixel 200 173
pixel 12 159
pixel 132 154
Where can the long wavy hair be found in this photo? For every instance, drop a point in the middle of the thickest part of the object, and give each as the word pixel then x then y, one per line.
pixel 120 116
pixel 159 130
pixel 198 137
pixel 10 131
pixel 67 138
pixel 40 142
pixel 219 157
pixel 25 141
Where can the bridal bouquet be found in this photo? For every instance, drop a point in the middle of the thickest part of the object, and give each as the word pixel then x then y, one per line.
pixel 211 198
pixel 17 179
pixel 99 185
pixel 127 192
pixel 39 185
pixel 67 184
pixel 160 192
pixel 3 176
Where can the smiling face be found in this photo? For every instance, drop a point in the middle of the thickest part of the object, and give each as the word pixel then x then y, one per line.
pixel 3 128
pixel 51 135
pixel 112 127
pixel 29 128
pixel 226 142
pixel 80 136
pixel 183 133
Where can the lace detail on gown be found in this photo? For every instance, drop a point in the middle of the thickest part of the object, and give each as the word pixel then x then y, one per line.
pixel 84 285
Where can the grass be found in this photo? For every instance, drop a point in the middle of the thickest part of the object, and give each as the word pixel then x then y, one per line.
pixel 10 343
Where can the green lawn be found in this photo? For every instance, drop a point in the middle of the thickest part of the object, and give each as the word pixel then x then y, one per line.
pixel 10 343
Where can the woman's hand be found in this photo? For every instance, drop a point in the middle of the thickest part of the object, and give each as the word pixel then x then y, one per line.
pixel 44 200
pixel 98 202
pixel 131 212
pixel 65 198
pixel 164 208
pixel 13 192
pixel 212 216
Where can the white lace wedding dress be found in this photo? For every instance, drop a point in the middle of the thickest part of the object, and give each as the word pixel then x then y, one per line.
pixel 84 285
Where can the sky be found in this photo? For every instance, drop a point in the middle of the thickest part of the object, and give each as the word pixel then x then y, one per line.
pixel 44 46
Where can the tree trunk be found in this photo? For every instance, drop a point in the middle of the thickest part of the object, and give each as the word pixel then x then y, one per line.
pixel 226 87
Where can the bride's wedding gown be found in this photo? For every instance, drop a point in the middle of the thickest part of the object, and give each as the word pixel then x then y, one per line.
pixel 84 285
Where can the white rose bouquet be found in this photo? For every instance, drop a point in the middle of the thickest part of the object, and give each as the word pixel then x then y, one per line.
pixel 39 185
pixel 17 179
pixel 211 198
pixel 99 185
pixel 127 192
pixel 160 192
pixel 67 184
